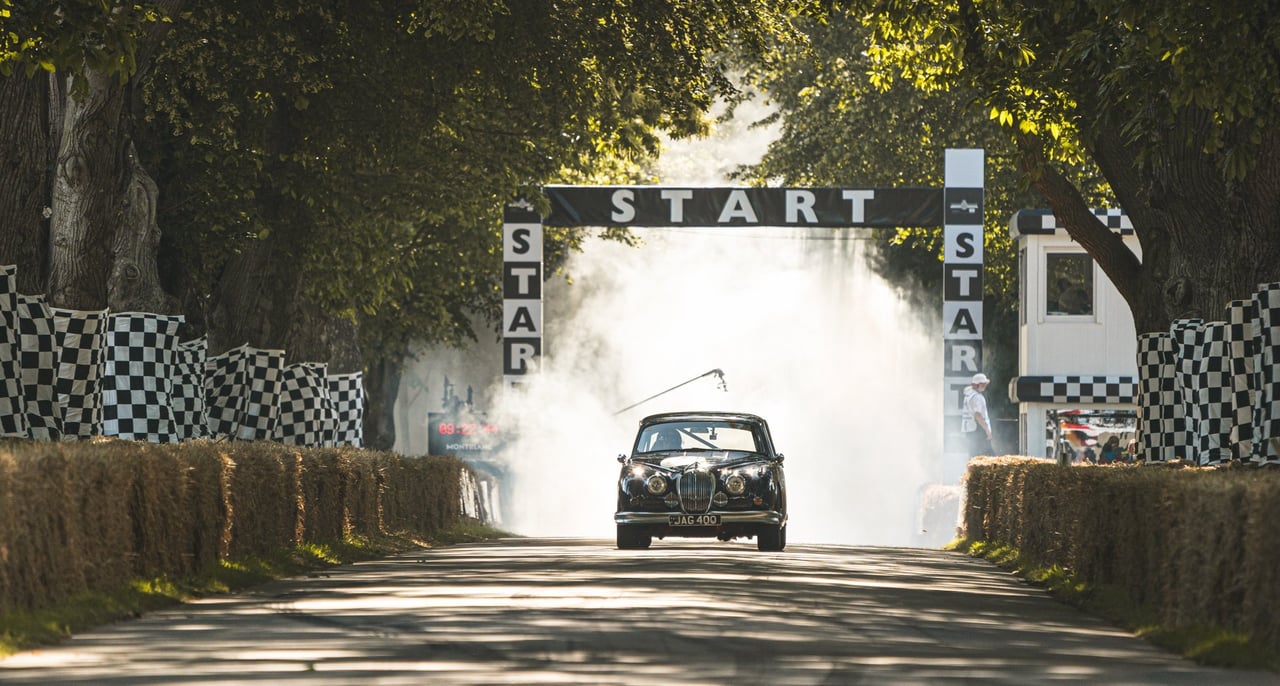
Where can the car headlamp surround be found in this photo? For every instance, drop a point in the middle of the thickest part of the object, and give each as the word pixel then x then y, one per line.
pixel 735 484
pixel 656 484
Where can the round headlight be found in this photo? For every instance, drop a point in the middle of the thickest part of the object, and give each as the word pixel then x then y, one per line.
pixel 735 484
pixel 656 484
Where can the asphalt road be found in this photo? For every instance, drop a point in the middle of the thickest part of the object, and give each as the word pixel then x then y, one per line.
pixel 543 611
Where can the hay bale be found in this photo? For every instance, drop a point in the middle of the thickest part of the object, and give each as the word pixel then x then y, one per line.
pixel 262 499
pixel 43 562
pixel 322 495
pixel 206 467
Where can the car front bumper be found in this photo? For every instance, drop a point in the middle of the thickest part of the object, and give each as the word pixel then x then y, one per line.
pixel 768 517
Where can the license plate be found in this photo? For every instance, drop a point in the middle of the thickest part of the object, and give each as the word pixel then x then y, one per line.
pixel 694 520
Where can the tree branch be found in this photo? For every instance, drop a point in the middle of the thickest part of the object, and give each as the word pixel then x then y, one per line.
pixel 1105 246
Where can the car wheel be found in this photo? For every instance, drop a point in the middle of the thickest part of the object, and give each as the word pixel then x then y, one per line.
pixel 632 538
pixel 771 538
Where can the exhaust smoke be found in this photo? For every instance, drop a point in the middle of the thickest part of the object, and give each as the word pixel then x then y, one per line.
pixel 818 345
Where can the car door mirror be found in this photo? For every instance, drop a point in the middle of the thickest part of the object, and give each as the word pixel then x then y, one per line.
pixel 622 458
pixel 779 457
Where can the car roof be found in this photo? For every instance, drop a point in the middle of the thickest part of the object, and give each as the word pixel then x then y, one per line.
pixel 695 416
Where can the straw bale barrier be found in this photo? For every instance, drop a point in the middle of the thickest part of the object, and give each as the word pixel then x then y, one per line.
pixel 1199 546
pixel 94 515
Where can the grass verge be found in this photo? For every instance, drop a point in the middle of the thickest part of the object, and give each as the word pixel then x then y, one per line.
pixel 1205 645
pixel 46 626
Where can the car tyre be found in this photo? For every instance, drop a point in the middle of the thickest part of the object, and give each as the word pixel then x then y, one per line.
pixel 771 538
pixel 632 538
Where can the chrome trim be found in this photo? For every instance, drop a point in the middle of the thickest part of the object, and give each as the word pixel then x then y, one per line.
pixel 696 486
pixel 767 517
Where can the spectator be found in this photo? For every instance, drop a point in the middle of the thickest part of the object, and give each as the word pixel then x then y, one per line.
pixel 975 423
pixel 1110 451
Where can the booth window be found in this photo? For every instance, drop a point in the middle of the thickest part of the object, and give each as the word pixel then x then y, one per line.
pixel 1069 285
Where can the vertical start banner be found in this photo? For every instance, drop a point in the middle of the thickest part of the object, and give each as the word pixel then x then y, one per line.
pixel 521 293
pixel 962 267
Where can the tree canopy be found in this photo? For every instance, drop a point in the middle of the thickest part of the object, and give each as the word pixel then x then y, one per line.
pixel 1177 105
pixel 319 165
pixel 841 126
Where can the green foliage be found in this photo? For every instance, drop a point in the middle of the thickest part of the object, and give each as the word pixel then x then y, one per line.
pixel 844 125
pixel 74 35
pixel 382 138
pixel 1070 71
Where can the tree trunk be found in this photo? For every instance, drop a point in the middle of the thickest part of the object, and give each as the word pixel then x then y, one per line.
pixel 381 385
pixel 1205 241
pixel 90 180
pixel 318 336
pixel 260 300
pixel 134 282
pixel 253 296
pixel 24 178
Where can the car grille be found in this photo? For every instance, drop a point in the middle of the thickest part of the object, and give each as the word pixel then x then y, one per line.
pixel 696 488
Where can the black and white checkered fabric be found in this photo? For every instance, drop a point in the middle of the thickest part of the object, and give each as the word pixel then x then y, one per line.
pixel 1164 428
pixel 190 421
pixel 1213 395
pixel 261 409
pixel 1043 221
pixel 39 359
pixel 347 393
pixel 1185 334
pixel 137 379
pixel 226 391
pixel 82 344
pixel 306 411
pixel 1266 417
pixel 1241 351
pixel 13 405
pixel 1111 390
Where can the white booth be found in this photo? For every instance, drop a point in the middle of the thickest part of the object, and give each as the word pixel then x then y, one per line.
pixel 1077 344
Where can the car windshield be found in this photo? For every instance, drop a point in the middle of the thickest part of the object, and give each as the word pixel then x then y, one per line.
pixel 699 435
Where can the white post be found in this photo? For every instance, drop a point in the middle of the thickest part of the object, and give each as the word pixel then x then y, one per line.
pixel 962 295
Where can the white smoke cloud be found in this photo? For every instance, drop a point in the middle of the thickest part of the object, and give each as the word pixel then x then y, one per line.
pixel 806 335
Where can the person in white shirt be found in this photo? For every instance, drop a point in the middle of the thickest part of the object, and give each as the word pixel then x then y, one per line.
pixel 976 422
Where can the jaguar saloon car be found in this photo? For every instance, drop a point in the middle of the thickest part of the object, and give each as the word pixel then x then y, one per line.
pixel 705 475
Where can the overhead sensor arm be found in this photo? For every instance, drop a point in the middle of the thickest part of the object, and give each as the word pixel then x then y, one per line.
pixel 714 372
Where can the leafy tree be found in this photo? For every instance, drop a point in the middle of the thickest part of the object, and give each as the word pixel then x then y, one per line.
pixel 840 127
pixel 1176 104
pixel 323 165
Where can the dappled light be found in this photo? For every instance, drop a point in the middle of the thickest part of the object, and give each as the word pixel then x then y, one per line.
pixel 581 612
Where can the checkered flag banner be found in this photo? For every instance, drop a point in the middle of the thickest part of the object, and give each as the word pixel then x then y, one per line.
pixel 1266 408
pixel 347 393
pixel 13 405
pixel 39 359
pixel 1240 359
pixel 226 391
pixel 81 338
pixel 190 421
pixel 1108 390
pixel 263 370
pixel 306 411
pixel 1043 221
pixel 1164 431
pixel 1184 333
pixel 1212 400
pixel 138 377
